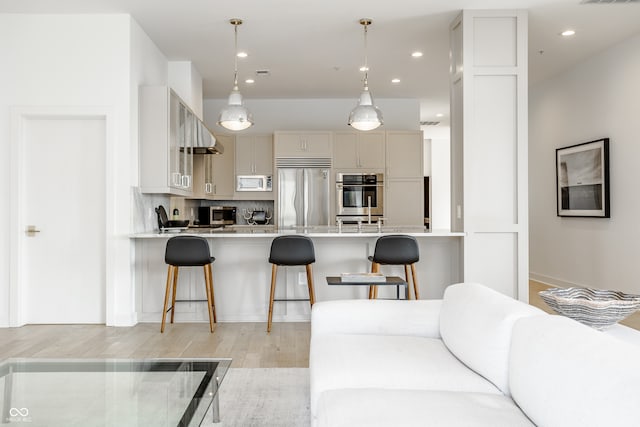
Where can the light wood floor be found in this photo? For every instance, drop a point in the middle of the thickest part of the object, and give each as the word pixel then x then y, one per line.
pixel 247 344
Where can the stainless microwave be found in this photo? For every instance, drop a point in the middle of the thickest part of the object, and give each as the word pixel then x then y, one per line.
pixel 254 183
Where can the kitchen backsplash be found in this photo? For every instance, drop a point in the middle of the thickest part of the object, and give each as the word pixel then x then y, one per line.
pixel 144 217
pixel 244 207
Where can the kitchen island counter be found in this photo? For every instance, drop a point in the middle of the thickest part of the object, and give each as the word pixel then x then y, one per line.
pixel 313 231
pixel 242 272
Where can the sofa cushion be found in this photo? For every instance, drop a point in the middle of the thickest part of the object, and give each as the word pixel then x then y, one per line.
pixel 391 362
pixel 476 324
pixel 566 374
pixel 377 317
pixel 419 408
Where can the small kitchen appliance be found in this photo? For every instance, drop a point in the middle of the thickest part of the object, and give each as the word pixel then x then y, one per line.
pixel 216 216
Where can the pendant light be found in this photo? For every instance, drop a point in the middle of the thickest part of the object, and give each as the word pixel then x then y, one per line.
pixel 235 116
pixel 366 116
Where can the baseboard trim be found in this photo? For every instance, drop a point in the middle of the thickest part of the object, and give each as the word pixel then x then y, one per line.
pixel 553 281
pixel 125 320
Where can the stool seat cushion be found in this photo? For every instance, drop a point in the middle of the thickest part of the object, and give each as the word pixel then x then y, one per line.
pixel 292 250
pixel 396 249
pixel 188 251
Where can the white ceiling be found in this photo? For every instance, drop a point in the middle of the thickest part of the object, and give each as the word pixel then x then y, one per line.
pixel 313 49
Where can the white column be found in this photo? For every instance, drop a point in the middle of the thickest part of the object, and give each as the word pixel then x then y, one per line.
pixel 489 146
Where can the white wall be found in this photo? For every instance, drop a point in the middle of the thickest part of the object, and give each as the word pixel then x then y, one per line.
pixel 314 114
pixel 440 182
pixel 186 81
pixel 437 165
pixel 597 98
pixel 80 60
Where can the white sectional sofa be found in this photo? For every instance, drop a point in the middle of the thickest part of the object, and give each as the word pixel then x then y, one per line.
pixel 474 358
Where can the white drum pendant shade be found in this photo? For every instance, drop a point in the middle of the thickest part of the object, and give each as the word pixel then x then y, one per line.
pixel 366 116
pixel 235 115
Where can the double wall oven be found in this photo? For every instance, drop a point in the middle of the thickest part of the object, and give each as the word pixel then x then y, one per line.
pixel 360 196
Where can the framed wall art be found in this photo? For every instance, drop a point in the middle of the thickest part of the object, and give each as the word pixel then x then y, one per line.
pixel 582 179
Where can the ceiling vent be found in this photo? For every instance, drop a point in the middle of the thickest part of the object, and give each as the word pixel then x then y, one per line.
pixel 607 1
pixel 429 123
pixel 263 73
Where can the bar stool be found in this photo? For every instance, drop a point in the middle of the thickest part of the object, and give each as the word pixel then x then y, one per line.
pixel 396 249
pixel 188 251
pixel 290 250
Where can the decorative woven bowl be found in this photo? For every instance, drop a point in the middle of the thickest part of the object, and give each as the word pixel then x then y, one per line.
pixel 594 307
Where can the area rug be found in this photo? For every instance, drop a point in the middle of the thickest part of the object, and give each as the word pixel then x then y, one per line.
pixel 273 397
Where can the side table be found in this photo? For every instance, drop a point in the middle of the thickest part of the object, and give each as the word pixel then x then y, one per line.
pixel 389 281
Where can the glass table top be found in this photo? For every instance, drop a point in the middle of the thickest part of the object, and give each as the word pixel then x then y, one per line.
pixel 109 392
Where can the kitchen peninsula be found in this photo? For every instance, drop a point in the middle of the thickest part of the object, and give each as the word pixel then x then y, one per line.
pixel 241 271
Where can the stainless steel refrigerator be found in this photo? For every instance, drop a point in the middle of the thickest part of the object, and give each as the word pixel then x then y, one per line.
pixel 303 196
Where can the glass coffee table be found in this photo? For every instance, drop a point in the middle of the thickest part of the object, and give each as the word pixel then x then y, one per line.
pixel 110 392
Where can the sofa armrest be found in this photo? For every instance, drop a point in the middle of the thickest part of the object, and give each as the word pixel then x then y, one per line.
pixel 377 317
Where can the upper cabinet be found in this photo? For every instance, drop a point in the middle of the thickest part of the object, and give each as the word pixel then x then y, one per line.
pixel 302 144
pixel 254 155
pixel 404 154
pixel 359 150
pixel 168 132
pixel 213 173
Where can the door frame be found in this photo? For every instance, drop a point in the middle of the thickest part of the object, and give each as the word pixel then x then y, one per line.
pixel 19 117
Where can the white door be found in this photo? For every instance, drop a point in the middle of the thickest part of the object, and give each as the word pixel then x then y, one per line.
pixel 63 264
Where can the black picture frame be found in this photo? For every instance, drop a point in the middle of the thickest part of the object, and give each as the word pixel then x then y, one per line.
pixel 582 180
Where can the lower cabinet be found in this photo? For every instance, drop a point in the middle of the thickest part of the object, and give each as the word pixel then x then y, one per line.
pixel 404 204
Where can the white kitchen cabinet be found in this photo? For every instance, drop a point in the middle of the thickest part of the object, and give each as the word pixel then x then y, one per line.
pixel 254 155
pixel 213 173
pixel 404 157
pixel 302 144
pixel 359 150
pixel 404 202
pixel 168 130
pixel 223 178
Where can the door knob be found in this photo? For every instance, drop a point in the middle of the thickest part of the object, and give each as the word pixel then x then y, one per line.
pixel 31 230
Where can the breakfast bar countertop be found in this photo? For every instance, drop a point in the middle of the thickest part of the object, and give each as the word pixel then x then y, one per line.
pixel 311 231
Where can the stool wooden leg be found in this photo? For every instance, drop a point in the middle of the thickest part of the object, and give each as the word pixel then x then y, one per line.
pixel 274 271
pixel 213 299
pixel 373 290
pixel 175 288
pixel 207 278
pixel 312 296
pixel 415 282
pixel 406 278
pixel 375 269
pixel 166 297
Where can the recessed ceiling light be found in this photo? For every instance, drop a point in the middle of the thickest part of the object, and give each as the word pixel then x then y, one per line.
pixel 364 68
pixel 567 33
pixel 242 54
pixel 416 54
pixel 249 81
pixel 439 115
pixel 395 80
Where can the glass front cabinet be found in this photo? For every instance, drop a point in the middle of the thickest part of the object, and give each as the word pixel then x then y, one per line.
pixel 168 134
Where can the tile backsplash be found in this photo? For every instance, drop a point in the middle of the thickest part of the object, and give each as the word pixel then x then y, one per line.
pixel 145 219
pixel 244 207
pixel 144 216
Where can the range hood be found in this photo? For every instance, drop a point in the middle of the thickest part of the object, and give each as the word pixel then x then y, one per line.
pixel 206 142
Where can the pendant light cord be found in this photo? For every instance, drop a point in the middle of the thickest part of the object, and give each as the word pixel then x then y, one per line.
pixel 235 56
pixel 366 59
